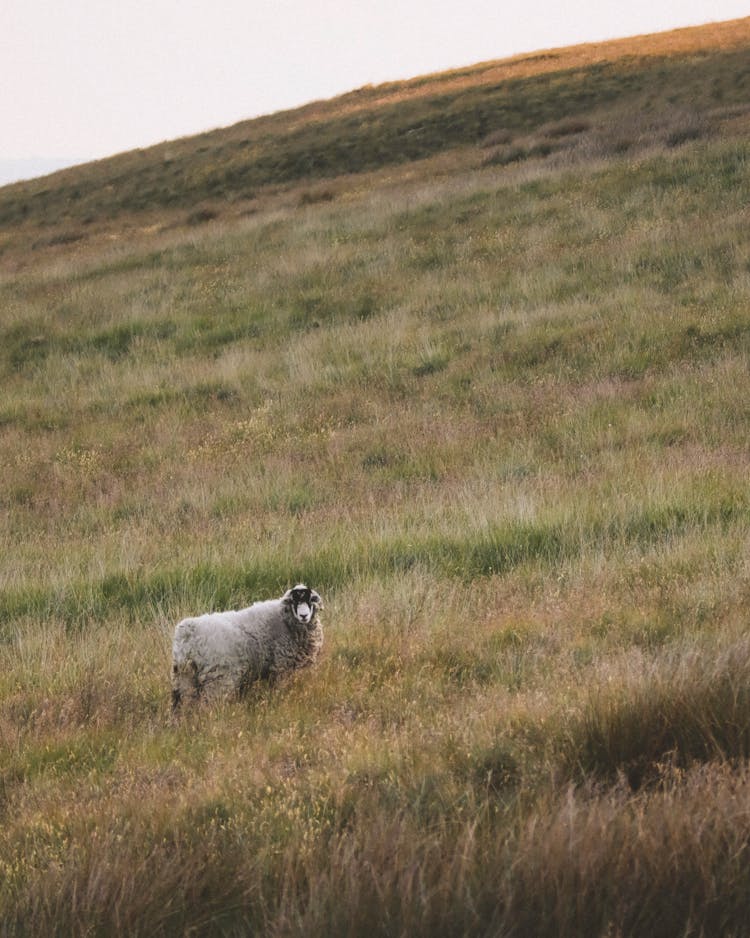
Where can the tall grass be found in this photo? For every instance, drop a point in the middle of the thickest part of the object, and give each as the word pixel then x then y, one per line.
pixel 498 416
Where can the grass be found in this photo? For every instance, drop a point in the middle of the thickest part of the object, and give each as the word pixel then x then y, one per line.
pixel 496 413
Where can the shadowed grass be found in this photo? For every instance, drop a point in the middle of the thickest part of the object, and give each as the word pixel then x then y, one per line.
pixel 692 707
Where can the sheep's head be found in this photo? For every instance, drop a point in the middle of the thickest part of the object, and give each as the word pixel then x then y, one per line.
pixel 304 604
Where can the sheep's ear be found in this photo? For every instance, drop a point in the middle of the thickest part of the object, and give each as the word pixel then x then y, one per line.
pixel 314 597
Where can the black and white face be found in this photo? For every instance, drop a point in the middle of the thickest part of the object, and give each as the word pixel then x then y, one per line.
pixel 304 602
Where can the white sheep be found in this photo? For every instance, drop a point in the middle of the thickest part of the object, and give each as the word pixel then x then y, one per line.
pixel 221 653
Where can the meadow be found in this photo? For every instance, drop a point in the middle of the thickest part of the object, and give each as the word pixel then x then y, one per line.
pixel 494 405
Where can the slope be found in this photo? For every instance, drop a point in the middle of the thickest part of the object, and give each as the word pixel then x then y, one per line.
pixel 703 72
pixel 494 406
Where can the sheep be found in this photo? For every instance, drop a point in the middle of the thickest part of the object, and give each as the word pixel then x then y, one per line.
pixel 221 653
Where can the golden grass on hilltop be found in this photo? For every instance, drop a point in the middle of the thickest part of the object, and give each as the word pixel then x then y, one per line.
pixel 696 78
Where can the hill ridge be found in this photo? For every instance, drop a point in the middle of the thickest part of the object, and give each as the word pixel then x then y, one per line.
pixel 725 34
pixel 700 70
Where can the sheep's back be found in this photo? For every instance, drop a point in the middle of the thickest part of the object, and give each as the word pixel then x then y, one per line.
pixel 214 638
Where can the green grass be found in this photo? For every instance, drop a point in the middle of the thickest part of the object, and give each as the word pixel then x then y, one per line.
pixel 497 414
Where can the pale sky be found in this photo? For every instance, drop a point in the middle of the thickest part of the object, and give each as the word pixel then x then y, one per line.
pixel 83 79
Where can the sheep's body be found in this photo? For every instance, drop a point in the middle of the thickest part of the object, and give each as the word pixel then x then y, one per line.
pixel 220 653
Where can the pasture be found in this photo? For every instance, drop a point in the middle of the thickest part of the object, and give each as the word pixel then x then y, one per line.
pixel 496 411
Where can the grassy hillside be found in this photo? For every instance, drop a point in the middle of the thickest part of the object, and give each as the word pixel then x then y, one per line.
pixel 494 405
pixel 694 77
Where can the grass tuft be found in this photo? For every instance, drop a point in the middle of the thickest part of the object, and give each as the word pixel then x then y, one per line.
pixel 691 708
